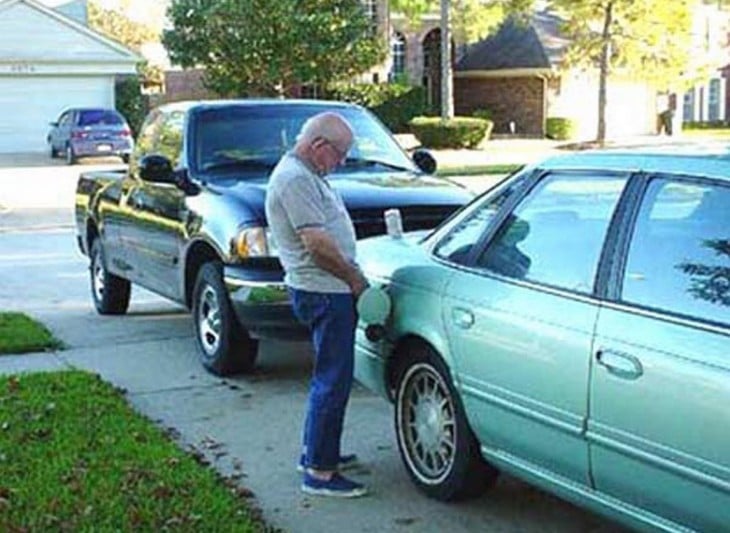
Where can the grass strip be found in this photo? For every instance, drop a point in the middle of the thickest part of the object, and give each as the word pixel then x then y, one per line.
pixel 21 334
pixel 74 456
pixel 477 170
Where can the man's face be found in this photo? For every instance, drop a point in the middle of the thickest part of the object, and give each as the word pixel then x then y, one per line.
pixel 330 153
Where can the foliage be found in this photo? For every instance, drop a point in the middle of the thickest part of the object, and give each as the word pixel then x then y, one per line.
pixel 712 125
pixel 394 104
pixel 483 113
pixel 115 25
pixel 130 101
pixel 478 170
pixel 21 334
pixel 711 282
pixel 259 47
pixel 559 128
pixel 76 457
pixel 647 39
pixel 458 132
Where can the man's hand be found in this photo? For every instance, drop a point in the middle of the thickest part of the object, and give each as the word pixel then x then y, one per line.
pixel 327 256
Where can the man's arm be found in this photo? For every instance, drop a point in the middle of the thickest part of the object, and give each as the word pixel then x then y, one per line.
pixel 327 256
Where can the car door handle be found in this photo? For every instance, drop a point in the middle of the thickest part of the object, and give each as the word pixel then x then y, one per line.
pixel 620 364
pixel 463 318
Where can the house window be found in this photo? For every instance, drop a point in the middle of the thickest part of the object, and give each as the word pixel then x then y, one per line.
pixel 713 100
pixel 689 106
pixel 398 51
pixel 371 12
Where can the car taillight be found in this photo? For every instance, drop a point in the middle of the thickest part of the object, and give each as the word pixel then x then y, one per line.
pixel 79 135
pixel 126 133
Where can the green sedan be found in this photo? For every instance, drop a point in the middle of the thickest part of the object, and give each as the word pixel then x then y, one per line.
pixel 570 327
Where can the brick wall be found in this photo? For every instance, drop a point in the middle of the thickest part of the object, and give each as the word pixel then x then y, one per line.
pixel 185 85
pixel 509 99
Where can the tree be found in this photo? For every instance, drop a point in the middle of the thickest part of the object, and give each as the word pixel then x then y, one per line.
pixel 114 24
pixel 466 20
pixel 259 47
pixel 647 39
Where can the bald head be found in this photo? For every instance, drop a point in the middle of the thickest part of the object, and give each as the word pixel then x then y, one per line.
pixel 329 126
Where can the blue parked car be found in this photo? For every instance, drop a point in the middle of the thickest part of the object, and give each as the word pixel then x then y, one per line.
pixel 570 327
pixel 90 132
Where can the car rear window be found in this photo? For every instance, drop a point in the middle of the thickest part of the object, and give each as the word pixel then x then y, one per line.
pixel 94 117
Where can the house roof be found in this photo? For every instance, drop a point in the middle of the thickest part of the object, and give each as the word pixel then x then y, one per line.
pixel 115 51
pixel 533 44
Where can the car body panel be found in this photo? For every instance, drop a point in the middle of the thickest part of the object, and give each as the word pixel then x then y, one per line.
pixel 612 405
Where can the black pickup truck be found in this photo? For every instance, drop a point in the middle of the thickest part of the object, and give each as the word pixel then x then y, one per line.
pixel 187 221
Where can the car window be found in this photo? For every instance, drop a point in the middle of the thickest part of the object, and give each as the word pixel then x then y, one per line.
pixel 99 117
pixel 457 244
pixel 679 256
pixel 65 119
pixel 555 234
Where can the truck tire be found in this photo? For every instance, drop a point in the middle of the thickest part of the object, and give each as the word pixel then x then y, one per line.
pixel 109 292
pixel 225 347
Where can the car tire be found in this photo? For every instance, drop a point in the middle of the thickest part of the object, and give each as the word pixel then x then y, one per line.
pixel 125 159
pixel 436 444
pixel 71 158
pixel 53 152
pixel 109 292
pixel 225 347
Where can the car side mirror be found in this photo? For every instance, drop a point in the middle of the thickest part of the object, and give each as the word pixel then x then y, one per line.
pixel 53 124
pixel 424 161
pixel 156 169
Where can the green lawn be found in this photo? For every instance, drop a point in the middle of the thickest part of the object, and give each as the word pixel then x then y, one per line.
pixel 21 334
pixel 718 134
pixel 75 457
pixel 477 170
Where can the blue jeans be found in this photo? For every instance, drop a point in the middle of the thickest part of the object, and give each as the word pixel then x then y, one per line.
pixel 331 320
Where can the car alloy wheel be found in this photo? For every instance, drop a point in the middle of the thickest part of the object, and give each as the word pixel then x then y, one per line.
pixel 98 274
pixel 427 423
pixel 209 320
pixel 439 449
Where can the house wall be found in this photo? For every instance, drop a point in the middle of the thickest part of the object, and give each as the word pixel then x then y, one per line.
pixel 519 100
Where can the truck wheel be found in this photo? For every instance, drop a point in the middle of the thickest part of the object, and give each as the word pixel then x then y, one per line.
pixel 436 444
pixel 225 347
pixel 109 292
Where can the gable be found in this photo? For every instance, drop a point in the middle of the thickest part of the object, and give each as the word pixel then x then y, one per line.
pixel 55 38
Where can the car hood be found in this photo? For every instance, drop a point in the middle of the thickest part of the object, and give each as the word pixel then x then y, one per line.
pixel 359 191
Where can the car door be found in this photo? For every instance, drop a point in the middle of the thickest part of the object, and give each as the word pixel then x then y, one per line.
pixel 521 317
pixel 659 423
pixel 158 214
pixel 57 137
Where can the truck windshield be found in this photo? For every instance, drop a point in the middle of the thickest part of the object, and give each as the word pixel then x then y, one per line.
pixel 252 138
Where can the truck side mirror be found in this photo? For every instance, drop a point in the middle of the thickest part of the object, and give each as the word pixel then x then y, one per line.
pixel 425 161
pixel 156 169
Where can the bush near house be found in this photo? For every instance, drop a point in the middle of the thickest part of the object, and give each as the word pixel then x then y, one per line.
pixel 458 132
pixel 395 104
pixel 559 128
pixel 131 102
pixel 712 125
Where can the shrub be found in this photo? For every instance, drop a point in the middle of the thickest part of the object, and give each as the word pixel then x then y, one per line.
pixel 559 128
pixel 131 102
pixel 711 125
pixel 484 114
pixel 395 104
pixel 458 132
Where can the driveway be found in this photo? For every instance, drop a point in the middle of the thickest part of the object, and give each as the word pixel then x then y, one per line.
pixel 247 425
pixel 35 181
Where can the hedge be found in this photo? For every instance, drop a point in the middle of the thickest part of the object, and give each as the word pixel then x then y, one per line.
pixel 458 132
pixel 559 128
pixel 393 103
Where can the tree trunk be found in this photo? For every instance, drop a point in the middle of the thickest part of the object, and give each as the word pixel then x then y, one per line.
pixel 603 76
pixel 447 92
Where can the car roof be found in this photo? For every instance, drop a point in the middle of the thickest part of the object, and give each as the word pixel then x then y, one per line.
pixel 212 104
pixel 696 158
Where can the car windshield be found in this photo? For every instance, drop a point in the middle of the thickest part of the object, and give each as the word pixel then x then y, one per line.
pixel 100 117
pixel 253 138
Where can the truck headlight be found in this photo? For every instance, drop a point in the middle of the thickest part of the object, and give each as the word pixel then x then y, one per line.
pixel 254 242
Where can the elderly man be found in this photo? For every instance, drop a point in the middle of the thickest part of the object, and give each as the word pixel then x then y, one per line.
pixel 316 241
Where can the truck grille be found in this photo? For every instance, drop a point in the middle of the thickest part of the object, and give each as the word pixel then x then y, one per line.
pixel 370 222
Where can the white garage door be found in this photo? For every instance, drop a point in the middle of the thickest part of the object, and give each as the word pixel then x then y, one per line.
pixel 29 103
